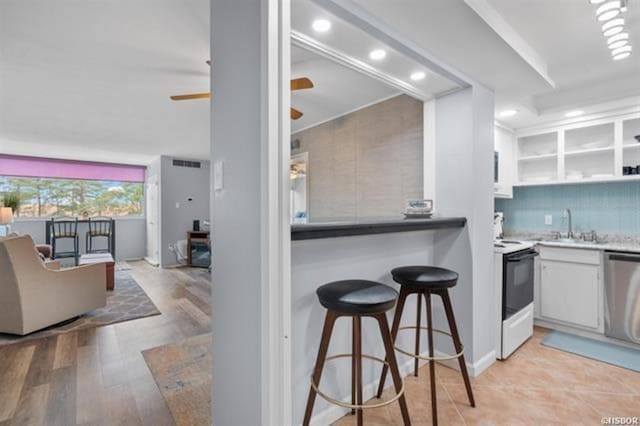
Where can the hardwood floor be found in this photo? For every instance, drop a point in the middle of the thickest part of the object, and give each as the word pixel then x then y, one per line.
pixel 98 376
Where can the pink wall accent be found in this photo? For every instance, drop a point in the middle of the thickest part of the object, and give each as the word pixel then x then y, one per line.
pixel 11 165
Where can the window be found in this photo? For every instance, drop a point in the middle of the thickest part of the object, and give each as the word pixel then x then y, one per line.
pixel 47 187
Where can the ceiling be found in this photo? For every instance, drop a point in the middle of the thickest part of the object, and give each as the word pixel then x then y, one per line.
pixel 92 79
pixel 337 89
pixel 493 41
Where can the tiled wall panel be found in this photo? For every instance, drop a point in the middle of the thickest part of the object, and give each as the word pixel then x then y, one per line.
pixel 612 208
pixel 367 163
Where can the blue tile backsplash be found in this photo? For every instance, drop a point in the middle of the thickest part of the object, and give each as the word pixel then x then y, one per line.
pixel 609 208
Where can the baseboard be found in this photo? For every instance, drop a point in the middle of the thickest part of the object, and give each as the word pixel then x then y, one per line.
pixel 474 369
pixel 152 262
pixel 335 413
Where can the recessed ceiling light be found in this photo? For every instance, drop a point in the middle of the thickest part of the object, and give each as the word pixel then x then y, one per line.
pixel 575 113
pixel 508 113
pixel 618 44
pixel 608 10
pixel 377 54
pixel 321 25
pixel 620 56
pixel 418 75
pixel 622 49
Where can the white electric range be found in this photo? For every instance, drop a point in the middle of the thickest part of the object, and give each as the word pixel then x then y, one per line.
pixel 514 276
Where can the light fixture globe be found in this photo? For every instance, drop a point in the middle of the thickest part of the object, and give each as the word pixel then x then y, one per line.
pixel 608 10
pixel 613 31
pixel 617 37
pixel 617 44
pixel 618 22
pixel 622 49
pixel 621 56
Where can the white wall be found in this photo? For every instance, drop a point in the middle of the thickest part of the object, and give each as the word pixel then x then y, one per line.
pixel 464 144
pixel 130 235
pixel 236 135
pixel 177 185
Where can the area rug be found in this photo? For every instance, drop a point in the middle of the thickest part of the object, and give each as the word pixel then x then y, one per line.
pixel 594 349
pixel 127 302
pixel 182 372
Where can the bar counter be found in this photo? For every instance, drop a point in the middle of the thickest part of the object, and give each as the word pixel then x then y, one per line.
pixel 371 226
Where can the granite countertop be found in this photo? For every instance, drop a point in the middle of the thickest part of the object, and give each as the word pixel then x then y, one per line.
pixel 370 226
pixel 624 243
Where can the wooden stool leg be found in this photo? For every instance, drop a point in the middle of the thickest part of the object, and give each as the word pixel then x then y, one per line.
pixel 432 366
pixel 329 321
pixel 397 316
pixel 393 365
pixel 358 357
pixel 457 344
pixel 417 348
pixel 353 364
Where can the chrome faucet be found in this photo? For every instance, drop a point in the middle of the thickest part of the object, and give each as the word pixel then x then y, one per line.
pixel 567 214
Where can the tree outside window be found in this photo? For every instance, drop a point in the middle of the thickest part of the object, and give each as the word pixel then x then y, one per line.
pixel 46 197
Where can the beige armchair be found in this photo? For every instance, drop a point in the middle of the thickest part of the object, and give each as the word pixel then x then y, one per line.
pixel 33 296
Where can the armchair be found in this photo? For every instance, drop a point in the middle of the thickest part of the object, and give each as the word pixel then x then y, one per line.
pixel 33 296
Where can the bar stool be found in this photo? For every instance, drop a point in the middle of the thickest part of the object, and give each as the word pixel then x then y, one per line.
pixel 99 227
pixel 427 280
pixel 64 228
pixel 356 299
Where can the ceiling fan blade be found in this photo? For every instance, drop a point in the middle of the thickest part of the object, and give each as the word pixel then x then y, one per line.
pixel 191 96
pixel 295 114
pixel 301 83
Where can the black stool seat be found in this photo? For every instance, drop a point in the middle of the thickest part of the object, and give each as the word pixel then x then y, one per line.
pixel 425 277
pixel 357 297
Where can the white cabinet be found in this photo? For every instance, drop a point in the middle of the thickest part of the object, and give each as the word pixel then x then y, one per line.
pixel 570 287
pixel 505 149
pixel 601 149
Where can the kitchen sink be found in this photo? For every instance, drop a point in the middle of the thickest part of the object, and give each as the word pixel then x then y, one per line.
pixel 572 241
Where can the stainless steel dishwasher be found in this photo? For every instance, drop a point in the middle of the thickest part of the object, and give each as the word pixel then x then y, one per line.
pixel 622 296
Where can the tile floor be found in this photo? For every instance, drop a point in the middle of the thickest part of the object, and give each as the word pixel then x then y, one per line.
pixel 536 386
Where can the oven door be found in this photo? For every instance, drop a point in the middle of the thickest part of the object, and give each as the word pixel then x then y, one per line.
pixel 517 285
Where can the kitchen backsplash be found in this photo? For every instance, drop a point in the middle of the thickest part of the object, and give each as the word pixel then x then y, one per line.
pixel 612 208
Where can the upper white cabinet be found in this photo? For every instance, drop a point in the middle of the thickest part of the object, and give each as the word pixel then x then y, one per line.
pixel 538 158
pixel 631 145
pixel 591 151
pixel 505 142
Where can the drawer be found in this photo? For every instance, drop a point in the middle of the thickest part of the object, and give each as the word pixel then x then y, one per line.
pixel 563 254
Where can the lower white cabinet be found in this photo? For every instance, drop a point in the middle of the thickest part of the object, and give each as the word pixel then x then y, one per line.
pixel 570 287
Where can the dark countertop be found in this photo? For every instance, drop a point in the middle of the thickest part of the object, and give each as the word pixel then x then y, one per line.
pixel 348 228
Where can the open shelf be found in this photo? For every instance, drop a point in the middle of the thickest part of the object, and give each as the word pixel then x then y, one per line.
pixel 589 151
pixel 538 157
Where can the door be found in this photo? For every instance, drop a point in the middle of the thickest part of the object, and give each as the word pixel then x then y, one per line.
pixel 569 293
pixel 152 205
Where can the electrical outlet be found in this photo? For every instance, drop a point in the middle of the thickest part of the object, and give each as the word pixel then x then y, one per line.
pixel 548 219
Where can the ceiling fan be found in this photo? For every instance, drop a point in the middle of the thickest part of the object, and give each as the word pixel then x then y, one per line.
pixel 296 84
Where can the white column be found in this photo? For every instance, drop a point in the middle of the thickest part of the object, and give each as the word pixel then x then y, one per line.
pixel 464 144
pixel 251 235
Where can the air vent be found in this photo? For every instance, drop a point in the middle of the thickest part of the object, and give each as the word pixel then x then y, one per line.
pixel 186 163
